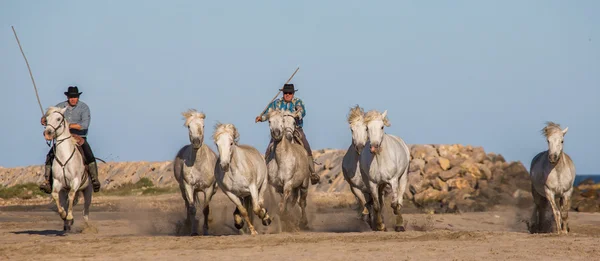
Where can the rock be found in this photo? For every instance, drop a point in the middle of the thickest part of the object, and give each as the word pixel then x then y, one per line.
pixel 423 151
pixel 416 182
pixel 416 165
pixel 444 163
pixel 487 173
pixel 448 174
pixel 448 151
pixel 439 184
pixel 432 169
pixel 428 196
pixel 470 167
pixel 458 183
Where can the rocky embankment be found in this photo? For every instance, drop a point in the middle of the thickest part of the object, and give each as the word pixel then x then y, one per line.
pixel 442 178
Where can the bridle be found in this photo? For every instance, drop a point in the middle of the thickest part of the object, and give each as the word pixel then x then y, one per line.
pixel 58 142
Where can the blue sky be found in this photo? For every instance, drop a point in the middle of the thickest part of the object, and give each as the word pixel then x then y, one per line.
pixel 472 72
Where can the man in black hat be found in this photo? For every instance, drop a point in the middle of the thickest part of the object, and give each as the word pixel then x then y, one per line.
pixel 290 103
pixel 78 116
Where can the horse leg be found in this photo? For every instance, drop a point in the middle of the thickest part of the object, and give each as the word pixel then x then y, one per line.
pixel 303 195
pixel 550 196
pixel 191 208
pixel 87 198
pixel 208 194
pixel 565 202
pixel 369 206
pixel 59 207
pixel 536 215
pixel 398 188
pixel 257 204
pixel 287 191
pixel 379 225
pixel 70 199
pixel 362 202
pixel 242 211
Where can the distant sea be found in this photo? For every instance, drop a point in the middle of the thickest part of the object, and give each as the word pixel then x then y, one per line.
pixel 580 178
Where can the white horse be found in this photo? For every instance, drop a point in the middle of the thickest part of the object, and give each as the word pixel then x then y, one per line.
pixel 241 173
pixel 552 174
pixel 194 170
pixel 68 169
pixel 288 173
pixel 384 162
pixel 350 162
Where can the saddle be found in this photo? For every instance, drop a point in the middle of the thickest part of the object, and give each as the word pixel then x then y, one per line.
pixel 78 144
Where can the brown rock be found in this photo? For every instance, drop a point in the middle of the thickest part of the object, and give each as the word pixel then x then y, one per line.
pixel 422 151
pixel 439 184
pixel 448 151
pixel 429 195
pixel 448 174
pixel 444 163
pixel 470 167
pixel 432 169
pixel 458 183
pixel 416 182
pixel 487 173
pixel 416 165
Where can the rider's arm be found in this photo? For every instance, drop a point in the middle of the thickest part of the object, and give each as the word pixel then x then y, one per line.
pixel 85 118
pixel 299 106
pixel 263 117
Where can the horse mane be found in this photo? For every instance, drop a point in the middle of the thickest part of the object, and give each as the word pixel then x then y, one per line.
pixel 356 114
pixel 51 110
pixel 191 114
pixel 551 128
pixel 226 128
pixel 376 115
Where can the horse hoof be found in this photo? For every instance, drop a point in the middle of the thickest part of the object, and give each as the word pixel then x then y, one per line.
pixel 400 229
pixel 239 225
pixel 266 222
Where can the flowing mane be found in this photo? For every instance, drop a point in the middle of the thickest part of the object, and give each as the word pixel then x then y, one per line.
pixel 356 114
pixel 551 128
pixel 191 114
pixel 221 128
pixel 376 115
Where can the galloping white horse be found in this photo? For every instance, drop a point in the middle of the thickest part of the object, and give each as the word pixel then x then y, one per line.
pixel 288 173
pixel 194 170
pixel 552 174
pixel 241 173
pixel 384 162
pixel 68 170
pixel 350 162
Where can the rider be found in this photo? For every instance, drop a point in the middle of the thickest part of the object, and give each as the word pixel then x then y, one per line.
pixel 292 104
pixel 78 116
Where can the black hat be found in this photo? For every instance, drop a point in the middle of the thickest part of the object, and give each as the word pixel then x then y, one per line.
pixel 73 92
pixel 288 88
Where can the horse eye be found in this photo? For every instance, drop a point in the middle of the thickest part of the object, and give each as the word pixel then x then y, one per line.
pixel 231 144
pixel 382 127
pixel 562 141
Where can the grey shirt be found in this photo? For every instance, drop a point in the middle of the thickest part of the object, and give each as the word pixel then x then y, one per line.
pixel 80 114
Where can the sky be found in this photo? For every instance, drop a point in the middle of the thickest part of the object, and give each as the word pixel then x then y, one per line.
pixel 484 73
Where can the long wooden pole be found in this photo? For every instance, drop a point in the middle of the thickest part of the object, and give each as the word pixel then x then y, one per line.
pixel 288 81
pixel 29 68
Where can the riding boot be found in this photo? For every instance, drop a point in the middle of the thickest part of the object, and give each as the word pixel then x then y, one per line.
pixel 93 169
pixel 314 178
pixel 46 186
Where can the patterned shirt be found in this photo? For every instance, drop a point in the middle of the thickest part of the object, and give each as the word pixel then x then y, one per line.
pixel 292 106
pixel 80 114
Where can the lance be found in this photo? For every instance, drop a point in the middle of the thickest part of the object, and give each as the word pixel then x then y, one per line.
pixel 30 74
pixel 288 81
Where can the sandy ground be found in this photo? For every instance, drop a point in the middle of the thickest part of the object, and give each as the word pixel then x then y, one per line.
pixel 144 228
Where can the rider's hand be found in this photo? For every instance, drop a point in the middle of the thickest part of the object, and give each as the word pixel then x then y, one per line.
pixel 257 119
pixel 43 121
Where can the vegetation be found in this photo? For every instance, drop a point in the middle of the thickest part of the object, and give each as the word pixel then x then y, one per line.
pixel 22 191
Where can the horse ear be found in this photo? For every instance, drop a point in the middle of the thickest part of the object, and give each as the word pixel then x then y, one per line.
pixel 386 122
pixel 565 131
pixel 63 110
pixel 384 114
